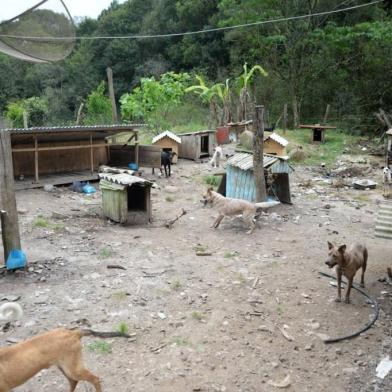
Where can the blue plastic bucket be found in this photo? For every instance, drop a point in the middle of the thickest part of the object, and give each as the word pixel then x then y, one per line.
pixel 133 166
pixel 16 259
pixel 89 189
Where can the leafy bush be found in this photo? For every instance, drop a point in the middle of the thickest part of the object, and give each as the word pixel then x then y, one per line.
pixel 212 180
pixel 99 107
pixel 36 109
pixel 153 99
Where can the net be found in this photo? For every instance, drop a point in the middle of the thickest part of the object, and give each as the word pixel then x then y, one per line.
pixel 34 34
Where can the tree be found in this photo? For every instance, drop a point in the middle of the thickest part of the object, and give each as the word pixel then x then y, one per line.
pixel 153 99
pixel 99 107
pixel 36 109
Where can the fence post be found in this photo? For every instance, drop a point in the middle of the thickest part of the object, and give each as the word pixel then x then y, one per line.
pixel 258 153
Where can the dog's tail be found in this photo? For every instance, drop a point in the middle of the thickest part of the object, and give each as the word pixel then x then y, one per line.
pixel 90 332
pixel 266 204
pixel 10 311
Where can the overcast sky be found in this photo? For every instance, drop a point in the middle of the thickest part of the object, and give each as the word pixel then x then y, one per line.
pixel 91 8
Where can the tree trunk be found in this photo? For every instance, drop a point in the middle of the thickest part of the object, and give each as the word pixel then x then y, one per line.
pixel 326 114
pixel 79 116
pixel 258 154
pixel 111 94
pixel 285 118
pixel 295 111
pixel 9 215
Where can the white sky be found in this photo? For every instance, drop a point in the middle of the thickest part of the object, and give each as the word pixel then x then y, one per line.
pixel 91 8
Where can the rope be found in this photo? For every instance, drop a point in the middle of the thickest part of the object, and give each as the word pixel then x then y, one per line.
pixel 367 325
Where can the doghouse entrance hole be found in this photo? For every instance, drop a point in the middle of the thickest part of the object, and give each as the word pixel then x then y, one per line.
pixel 167 149
pixel 137 198
pixel 317 135
pixel 204 145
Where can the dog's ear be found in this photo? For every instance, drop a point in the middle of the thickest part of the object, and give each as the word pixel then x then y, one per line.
pixel 210 189
pixel 330 245
pixel 342 248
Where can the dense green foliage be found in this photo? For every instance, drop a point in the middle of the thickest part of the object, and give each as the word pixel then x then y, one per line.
pixel 341 59
pixel 99 108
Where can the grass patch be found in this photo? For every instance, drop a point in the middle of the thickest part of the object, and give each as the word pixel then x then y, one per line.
pixel 200 248
pixel 104 253
pixel 241 278
pixel 123 328
pixel 229 255
pixel 197 315
pixel 362 198
pixel 169 199
pixel 314 154
pixel 212 180
pixel 120 295
pixel 181 341
pixel 100 346
pixel 176 285
pixel 280 309
pixel 161 292
pixel 45 223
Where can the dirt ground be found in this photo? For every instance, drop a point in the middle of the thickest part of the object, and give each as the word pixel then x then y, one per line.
pixel 251 314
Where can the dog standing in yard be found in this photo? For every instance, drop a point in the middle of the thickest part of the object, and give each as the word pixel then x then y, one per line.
pixel 387 179
pixel 60 347
pixel 166 160
pixel 232 207
pixel 218 153
pixel 347 261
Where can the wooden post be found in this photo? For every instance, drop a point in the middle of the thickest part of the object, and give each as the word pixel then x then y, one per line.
pixel 25 120
pixel 112 96
pixel 79 115
pixel 258 153
pixel 91 153
pixel 285 118
pixel 326 114
pixel 36 161
pixel 9 216
pixel 136 149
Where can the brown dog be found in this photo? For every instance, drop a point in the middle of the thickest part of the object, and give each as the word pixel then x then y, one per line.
pixel 348 262
pixel 60 347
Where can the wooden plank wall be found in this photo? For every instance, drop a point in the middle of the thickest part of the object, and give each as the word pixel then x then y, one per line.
pixel 149 156
pixel 60 161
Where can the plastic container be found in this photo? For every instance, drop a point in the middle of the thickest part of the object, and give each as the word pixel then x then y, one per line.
pixel 89 189
pixel 133 166
pixel 16 259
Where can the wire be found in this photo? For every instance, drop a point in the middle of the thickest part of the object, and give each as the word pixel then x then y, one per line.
pixel 258 23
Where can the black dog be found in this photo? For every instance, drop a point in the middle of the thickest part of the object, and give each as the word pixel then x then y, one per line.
pixel 166 160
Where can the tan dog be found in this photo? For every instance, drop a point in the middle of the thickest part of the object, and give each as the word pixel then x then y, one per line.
pixel 59 347
pixel 348 262
pixel 232 207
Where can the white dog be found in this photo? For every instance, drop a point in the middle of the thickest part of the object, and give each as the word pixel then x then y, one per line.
pixel 387 178
pixel 10 311
pixel 218 152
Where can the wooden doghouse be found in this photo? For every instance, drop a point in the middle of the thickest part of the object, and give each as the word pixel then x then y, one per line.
pixel 169 142
pixel 126 198
pixel 275 144
pixel 318 132
pixel 197 145
pixel 240 182
pixel 388 157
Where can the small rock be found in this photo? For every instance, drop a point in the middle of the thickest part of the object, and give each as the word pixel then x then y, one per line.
pixel 162 316
pixel 308 347
pixel 48 188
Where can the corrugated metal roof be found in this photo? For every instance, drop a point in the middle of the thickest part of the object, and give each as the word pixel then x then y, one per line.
pixel 168 134
pixel 196 133
pixel 278 139
pixel 384 221
pixel 124 179
pixel 389 132
pixel 75 128
pixel 245 161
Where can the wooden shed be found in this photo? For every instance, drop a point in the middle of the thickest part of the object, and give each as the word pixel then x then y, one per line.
pixel 388 156
pixel 61 155
pixel 126 198
pixel 318 132
pixel 240 183
pixel 168 141
pixel 275 144
pixel 197 145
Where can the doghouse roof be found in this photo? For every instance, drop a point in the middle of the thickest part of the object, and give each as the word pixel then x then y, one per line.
pixel 271 162
pixel 124 179
pixel 168 134
pixel 197 133
pixel 278 139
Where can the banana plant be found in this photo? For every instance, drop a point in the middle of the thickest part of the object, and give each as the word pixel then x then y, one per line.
pixel 244 82
pixel 224 94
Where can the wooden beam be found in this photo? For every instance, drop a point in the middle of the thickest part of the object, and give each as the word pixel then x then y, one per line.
pixel 285 118
pixel 36 162
pixel 136 149
pixel 111 94
pixel 9 216
pixel 258 154
pixel 91 153
pixel 58 148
